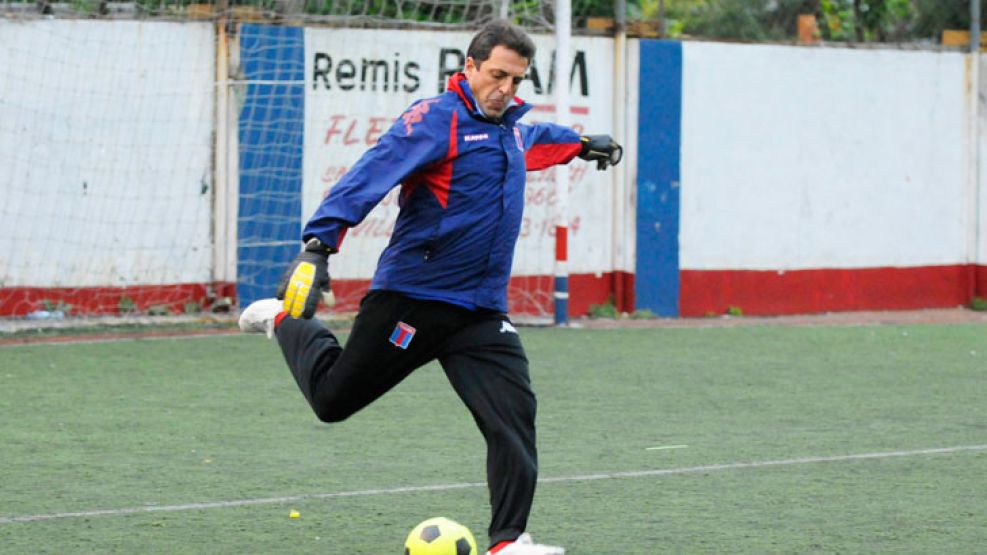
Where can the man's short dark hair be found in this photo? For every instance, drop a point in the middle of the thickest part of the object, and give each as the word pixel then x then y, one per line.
pixel 500 32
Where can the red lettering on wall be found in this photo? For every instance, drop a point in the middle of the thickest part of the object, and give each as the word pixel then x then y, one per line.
pixel 333 128
pixel 347 130
pixel 375 131
pixel 333 174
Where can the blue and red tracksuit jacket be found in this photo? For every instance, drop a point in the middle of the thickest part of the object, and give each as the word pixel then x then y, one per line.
pixel 462 178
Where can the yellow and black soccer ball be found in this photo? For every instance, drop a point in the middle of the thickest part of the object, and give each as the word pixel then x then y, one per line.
pixel 440 536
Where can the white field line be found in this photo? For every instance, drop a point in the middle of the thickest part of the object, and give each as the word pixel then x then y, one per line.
pixel 468 485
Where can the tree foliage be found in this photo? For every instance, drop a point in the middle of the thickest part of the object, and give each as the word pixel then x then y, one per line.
pixel 745 20
pixel 838 20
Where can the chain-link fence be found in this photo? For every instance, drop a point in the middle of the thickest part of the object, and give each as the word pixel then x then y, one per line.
pixel 856 21
pixel 451 14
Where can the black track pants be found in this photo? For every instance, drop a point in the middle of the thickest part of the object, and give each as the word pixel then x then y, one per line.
pixel 481 354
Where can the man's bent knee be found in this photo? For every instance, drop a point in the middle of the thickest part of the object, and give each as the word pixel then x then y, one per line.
pixel 333 408
pixel 330 413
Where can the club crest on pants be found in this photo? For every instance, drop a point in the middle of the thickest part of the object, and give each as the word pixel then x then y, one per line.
pixel 402 335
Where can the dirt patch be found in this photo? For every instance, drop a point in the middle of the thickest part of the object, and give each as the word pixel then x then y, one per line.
pixel 866 318
pixel 111 336
pixel 930 316
pixel 104 329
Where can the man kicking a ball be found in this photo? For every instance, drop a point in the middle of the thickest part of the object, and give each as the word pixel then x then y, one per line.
pixel 440 288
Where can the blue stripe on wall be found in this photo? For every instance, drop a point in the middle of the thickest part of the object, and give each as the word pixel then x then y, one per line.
pixel 271 137
pixel 659 133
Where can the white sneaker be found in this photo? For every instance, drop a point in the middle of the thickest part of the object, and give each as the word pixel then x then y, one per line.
pixel 523 545
pixel 259 316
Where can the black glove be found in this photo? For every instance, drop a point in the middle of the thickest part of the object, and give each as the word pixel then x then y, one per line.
pixel 601 148
pixel 305 280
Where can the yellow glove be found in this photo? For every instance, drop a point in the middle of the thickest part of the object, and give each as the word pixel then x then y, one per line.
pixel 304 282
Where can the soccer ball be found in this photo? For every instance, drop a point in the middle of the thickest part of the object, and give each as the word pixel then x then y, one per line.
pixel 440 536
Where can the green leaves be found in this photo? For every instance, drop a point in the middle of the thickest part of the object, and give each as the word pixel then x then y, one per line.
pixel 775 20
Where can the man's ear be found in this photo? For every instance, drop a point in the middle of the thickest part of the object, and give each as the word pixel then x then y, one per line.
pixel 470 66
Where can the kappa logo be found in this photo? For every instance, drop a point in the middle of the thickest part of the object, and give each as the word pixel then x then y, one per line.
pixel 402 335
pixel 507 327
pixel 476 137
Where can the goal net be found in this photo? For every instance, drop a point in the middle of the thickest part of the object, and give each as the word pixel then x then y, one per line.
pixel 106 166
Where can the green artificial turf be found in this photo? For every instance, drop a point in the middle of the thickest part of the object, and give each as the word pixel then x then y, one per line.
pixel 213 431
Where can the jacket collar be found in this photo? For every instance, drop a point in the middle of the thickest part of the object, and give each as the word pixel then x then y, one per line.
pixel 458 84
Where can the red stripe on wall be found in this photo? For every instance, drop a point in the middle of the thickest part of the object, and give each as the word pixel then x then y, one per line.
pixel 827 290
pixel 754 292
pixel 580 110
pixel 18 301
pixel 702 292
pixel 527 294
pixel 623 291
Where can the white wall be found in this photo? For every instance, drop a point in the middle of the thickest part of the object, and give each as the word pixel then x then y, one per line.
pixel 625 174
pixel 105 149
pixel 979 187
pixel 792 157
pixel 797 157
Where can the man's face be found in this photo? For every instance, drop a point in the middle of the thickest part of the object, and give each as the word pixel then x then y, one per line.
pixel 495 80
